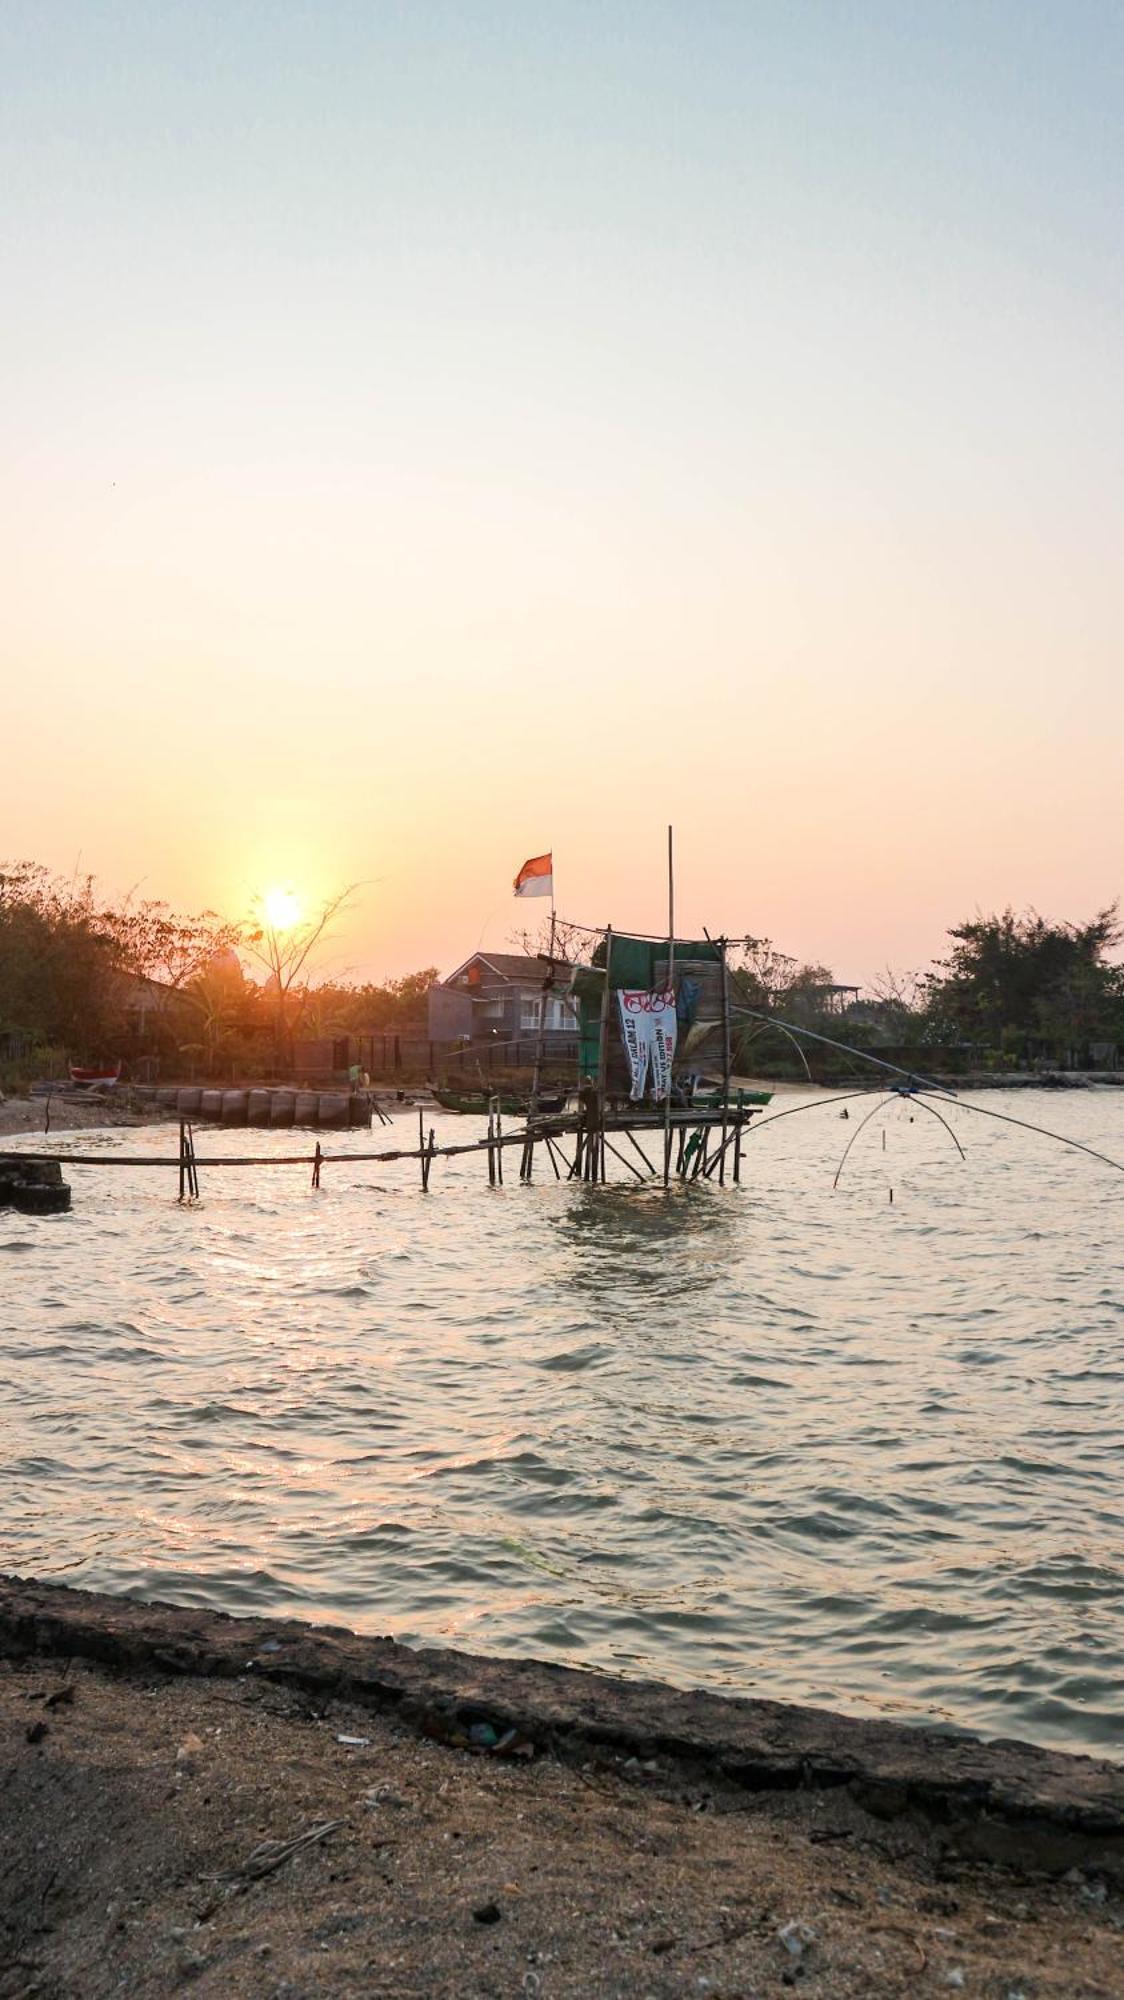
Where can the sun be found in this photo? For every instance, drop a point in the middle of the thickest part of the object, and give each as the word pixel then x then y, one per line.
pixel 282 909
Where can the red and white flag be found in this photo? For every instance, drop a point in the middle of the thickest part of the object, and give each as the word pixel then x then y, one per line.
pixel 536 877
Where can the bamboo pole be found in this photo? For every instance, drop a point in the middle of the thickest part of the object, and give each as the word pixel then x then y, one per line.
pixel 540 1048
pixel 725 1066
pixel 622 1157
pixel 595 1150
pixel 671 988
pixel 638 1148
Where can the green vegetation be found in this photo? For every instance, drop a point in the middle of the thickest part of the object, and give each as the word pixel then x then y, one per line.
pixel 83 979
pixel 1023 988
pixel 1014 991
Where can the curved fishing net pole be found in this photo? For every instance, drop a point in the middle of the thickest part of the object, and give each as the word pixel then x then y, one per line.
pixel 789 1036
pixel 859 1128
pixel 915 1097
pixel 779 1025
pixel 748 1131
pixel 910 1076
pixel 1043 1131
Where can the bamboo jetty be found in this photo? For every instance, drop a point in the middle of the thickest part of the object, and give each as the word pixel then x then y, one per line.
pixel 577 1146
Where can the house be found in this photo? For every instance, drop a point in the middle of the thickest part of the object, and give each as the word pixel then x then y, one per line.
pixel 497 997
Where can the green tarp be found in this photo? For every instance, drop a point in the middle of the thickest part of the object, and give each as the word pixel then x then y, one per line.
pixel 633 965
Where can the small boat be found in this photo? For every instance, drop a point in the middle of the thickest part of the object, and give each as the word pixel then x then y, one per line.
pixel 98 1076
pixel 478 1102
pixel 711 1100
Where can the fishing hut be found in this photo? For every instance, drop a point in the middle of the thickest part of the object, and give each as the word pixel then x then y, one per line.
pixel 653 1058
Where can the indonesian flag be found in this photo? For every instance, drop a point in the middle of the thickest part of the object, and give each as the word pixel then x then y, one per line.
pixel 536 877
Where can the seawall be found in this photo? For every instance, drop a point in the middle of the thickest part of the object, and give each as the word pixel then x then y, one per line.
pixel 1003 1801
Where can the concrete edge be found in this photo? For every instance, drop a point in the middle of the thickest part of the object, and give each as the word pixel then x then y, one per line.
pixel 1001 1800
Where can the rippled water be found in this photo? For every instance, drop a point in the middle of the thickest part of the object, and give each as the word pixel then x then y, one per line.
pixel 772 1439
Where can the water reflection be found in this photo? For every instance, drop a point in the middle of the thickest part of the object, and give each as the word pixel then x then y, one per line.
pixel 770 1439
pixel 619 1242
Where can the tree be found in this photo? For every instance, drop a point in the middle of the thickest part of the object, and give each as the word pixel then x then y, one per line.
pixel 571 942
pixel 767 981
pixel 59 960
pixel 218 1002
pixel 170 950
pixel 1016 979
pixel 287 951
pixel 79 971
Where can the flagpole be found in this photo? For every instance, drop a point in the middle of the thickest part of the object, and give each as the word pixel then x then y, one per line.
pixel 671 989
pixel 540 1046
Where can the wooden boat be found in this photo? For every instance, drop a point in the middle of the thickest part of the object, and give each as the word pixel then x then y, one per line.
pixel 97 1076
pixel 711 1100
pixel 476 1102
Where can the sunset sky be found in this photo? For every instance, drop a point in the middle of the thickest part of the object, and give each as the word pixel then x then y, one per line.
pixel 438 432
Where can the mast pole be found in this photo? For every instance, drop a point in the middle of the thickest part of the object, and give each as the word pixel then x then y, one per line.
pixel 671 989
pixel 540 1045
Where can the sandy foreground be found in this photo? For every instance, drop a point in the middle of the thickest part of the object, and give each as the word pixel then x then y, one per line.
pixel 68 1112
pixel 187 1825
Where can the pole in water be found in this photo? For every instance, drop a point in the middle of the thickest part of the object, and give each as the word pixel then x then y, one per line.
pixel 671 989
pixel 316 1166
pixel 189 1178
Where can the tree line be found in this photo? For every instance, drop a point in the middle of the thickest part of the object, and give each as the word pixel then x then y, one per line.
pixel 85 978
pixel 1015 989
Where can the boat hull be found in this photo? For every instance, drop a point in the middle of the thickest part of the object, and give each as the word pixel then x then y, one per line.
pixel 94 1078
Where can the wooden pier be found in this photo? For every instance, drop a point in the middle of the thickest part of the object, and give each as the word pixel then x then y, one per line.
pixel 575 1146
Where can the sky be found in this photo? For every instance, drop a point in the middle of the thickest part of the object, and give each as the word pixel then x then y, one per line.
pixel 434 433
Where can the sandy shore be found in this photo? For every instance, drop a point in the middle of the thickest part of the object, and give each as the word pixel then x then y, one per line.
pixel 258 1809
pixel 67 1112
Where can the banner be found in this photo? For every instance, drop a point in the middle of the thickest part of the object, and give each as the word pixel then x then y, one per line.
pixel 648 1034
pixel 636 1038
pixel 663 1043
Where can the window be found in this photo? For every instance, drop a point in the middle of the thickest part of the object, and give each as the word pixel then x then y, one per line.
pixel 559 1013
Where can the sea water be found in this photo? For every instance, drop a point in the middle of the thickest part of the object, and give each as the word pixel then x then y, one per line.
pixel 777 1439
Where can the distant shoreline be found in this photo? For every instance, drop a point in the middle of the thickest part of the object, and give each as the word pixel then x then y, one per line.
pixel 71 1112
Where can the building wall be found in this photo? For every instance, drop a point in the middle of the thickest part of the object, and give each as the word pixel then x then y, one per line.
pixel 502 1013
pixel 450 1014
